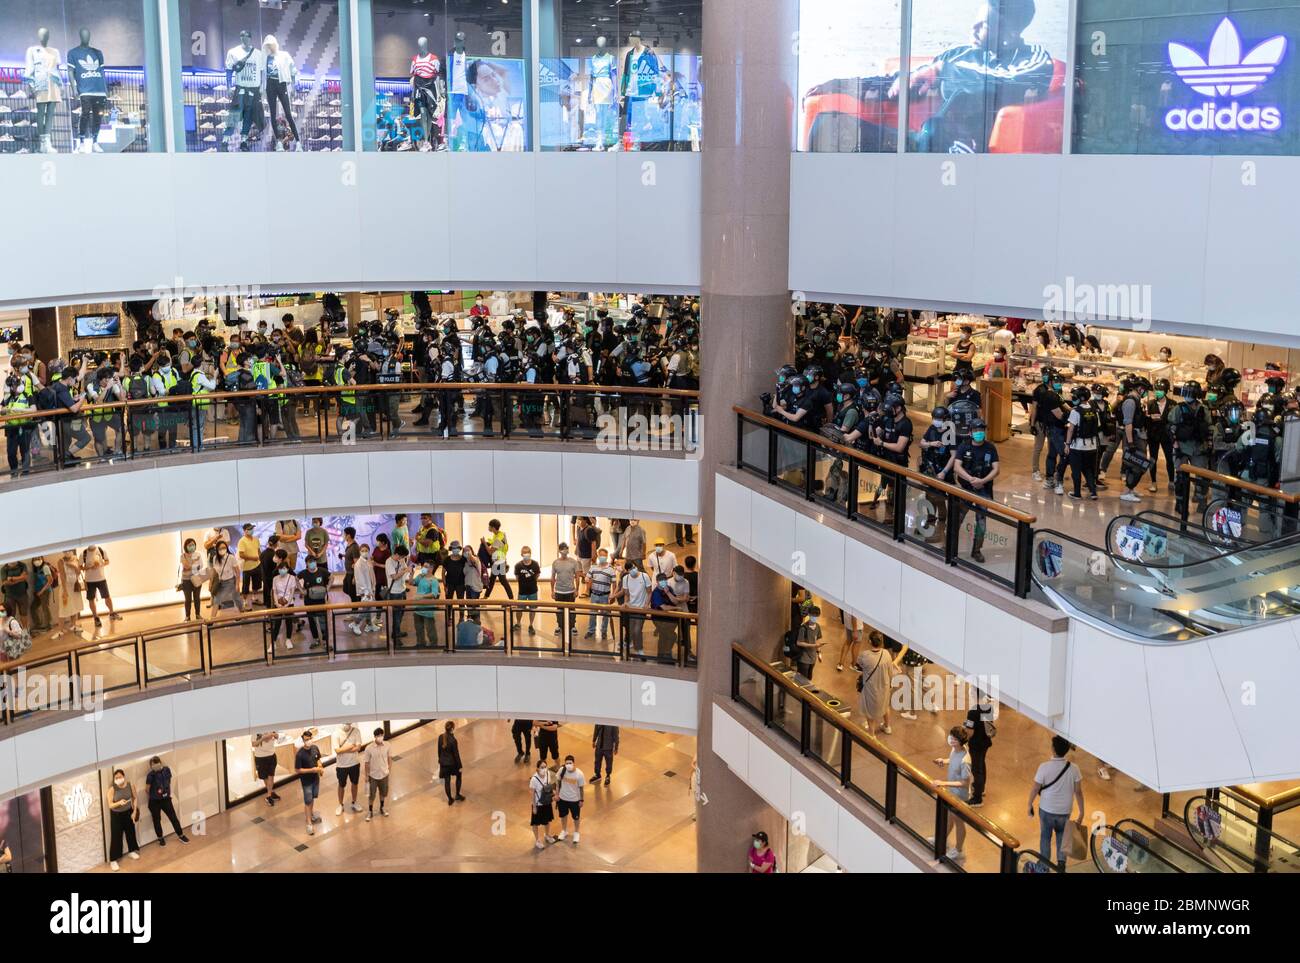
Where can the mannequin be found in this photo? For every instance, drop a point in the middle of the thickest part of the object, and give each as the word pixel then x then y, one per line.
pixel 428 95
pixel 281 79
pixel 88 85
pixel 42 75
pixel 600 97
pixel 246 75
pixel 459 89
pixel 639 82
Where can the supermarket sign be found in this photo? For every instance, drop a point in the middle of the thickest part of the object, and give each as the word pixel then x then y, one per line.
pixel 1224 72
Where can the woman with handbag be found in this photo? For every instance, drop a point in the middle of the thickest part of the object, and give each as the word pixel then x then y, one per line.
pixel 69 596
pixel 878 669
pixel 541 792
pixel 191 573
pixel 225 580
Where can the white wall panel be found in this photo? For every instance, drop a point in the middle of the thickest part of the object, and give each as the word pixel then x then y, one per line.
pixel 730 743
pixel 344 692
pixel 596 481
pixel 271 487
pixel 35 196
pixel 467 688
pixel 933 190
pixel 216 709
pixel 934 616
pixel 822 551
pixel 536 693
pixel 597 695
pixel 53 750
pixel 318 192
pixel 212 244
pixel 134 729
pixel 8 766
pixel 108 215
pixel 873 585
pixel 340 481
pixel 771 531
pixel 859 189
pixel 411 689
pixel 1257 672
pixel 527 477
pixel 1110 712
pixel 769 775
pixel 146 497
pixel 859 850
pixel 496 191
pixel 993 644
pixel 731 511
pixel 659 702
pixel 416 244
pixel 285 698
pixel 652 186
pixel 400 478
pixel 564 188
pixel 816 810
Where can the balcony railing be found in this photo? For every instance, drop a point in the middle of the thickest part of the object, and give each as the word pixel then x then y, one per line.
pixel 625 418
pixel 820 729
pixel 173 654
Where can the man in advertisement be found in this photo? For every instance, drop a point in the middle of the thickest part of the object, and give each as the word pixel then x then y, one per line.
pixel 969 84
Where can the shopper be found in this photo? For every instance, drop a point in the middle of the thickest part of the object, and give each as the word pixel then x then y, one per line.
pixel 94 563
pixel 527 572
pixel 878 670
pixel 401 532
pixel 604 740
pixel 396 572
pixel 249 549
pixel 265 761
pixel 809 644
pixel 522 731
pixel 588 542
pixel 762 860
pixel 44 582
pixel 425 588
pixel 363 579
pixel 540 793
pixel 377 762
pixel 601 577
pixel 634 592
pixel 957 781
pixel 981 729
pixel 70 588
pixel 347 762
pixel 572 786
pixel 290 534
pixel 661 561
pixel 632 546
pixel 449 766
pixel 286 593
pixel 351 552
pixel 266 566
pixel 1058 785
pixel 548 740
pixel 14 575
pixel 159 786
pixel 307 766
pixel 123 814
pixel 315 582
pixel 225 580
pixel 564 587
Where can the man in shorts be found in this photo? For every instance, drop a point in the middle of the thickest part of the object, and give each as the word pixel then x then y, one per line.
pixel 306 763
pixel 347 762
pixel 93 564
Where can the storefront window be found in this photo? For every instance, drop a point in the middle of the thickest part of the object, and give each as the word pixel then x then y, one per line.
pixel 72 77
pixel 988 76
pixel 263 76
pixel 622 77
pixel 849 56
pixel 450 75
pixel 21 834
pixel 1217 81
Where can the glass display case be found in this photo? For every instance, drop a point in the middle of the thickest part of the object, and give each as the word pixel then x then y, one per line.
pixel 1091 369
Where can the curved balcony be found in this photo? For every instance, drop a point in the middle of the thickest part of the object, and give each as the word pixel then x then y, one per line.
pixel 145 691
pixel 557 448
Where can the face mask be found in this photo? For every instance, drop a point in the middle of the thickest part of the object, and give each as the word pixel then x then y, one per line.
pixel 1159 395
pixel 365 553
pixel 952 742
pixel 796 391
pixel 189 549
pixel 603 559
pixel 659 549
pixel 191 344
pixel 1212 397
pixel 812 620
pixel 1056 386
pixel 455 553
pixel 166 369
pixel 526 556
pixel 977 437
pixel 758 844
pixel 311 566
pixel 221 553
pixel 41 561
pixel 863 382
pixel 564 553
pixel 119 781
pixel 569 766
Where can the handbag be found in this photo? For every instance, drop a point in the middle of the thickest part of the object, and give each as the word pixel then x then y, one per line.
pixel 1078 844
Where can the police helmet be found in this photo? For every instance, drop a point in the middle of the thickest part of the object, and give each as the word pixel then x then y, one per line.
pixel 1192 391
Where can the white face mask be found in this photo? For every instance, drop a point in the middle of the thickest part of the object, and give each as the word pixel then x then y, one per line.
pixel 953 742
pixel 569 766
pixel 603 559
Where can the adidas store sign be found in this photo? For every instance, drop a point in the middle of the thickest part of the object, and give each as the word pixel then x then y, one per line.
pixel 1225 72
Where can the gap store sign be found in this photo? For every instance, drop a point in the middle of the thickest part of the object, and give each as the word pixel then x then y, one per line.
pixel 1223 74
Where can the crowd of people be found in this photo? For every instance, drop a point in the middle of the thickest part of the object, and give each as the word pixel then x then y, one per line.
pixel 655 346
pixel 415 562
pixel 847 384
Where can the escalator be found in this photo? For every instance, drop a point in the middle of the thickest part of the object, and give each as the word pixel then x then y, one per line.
pixel 1159 581
pixel 1229 836
pixel 1133 847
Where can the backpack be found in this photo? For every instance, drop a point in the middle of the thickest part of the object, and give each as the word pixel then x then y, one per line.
pixel 138 387
pixel 181 389
pixel 1191 426
pixel 46 399
pixel 547 794
pixel 1089 423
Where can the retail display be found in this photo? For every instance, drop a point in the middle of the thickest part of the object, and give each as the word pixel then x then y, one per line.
pixel 41 73
pixel 601 74
pixel 86 78
pixel 428 96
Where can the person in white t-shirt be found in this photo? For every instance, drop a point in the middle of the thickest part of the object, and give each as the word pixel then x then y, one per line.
pixel 347 762
pixel 94 562
pixel 398 570
pixel 634 592
pixel 363 575
pixel 1058 784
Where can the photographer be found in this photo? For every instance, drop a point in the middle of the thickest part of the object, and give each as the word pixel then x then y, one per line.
pixel 105 388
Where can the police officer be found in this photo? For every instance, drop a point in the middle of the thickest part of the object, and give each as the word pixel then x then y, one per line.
pixel 1223 391
pixel 1108 441
pixel 845 429
pixel 782 393
pixel 449 372
pixel 1160 410
pixel 937 445
pixel 1233 437
pixel 1082 431
pixel 963 405
pixel 975 465
pixel 1264 457
pixel 812 404
pixel 390 373
pixel 1189 426
pixel 894 434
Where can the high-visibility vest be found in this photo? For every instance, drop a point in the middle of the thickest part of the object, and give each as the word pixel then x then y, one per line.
pixel 197 389
pixel 17 405
pixel 349 397
pixel 97 397
pixel 169 381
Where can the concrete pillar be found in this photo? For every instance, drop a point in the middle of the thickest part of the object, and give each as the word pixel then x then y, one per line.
pixel 748 68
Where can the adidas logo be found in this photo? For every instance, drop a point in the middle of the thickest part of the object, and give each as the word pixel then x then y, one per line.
pixel 1224 72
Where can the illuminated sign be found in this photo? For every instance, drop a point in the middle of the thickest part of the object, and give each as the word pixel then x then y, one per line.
pixel 77 804
pixel 1225 72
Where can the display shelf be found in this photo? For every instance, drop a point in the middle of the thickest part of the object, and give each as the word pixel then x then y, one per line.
pixel 317 113
pixel 124 130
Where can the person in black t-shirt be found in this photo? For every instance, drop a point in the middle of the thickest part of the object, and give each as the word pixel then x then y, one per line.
pixel 1047 420
pixel 306 763
pixel 315 579
pixel 527 572
pixel 266 562
pixel 893 440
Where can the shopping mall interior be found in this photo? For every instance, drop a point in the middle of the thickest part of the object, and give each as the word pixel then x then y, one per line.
pixel 811 437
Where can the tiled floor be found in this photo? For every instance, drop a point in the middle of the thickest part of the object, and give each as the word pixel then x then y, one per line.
pixel 642 822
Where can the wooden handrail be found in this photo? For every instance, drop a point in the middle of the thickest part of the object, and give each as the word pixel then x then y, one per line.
pixel 861 735
pixel 34 415
pixel 994 508
pixel 108 642
pixel 1269 802
pixel 1229 482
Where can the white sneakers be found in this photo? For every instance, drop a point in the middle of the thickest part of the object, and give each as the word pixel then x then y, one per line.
pixel 575 837
pixel 1130 497
pixel 956 855
pixel 113 866
pixel 339 811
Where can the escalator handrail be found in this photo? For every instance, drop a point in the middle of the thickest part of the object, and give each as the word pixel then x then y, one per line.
pixel 1252 858
pixel 1034 855
pixel 1259 546
pixel 1154 834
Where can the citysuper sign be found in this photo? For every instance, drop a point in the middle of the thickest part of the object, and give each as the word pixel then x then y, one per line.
pixel 1224 74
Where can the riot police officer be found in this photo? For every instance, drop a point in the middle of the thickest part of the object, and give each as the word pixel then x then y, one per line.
pixel 963 405
pixel 1264 457
pixel 1189 426
pixel 1233 436
pixel 781 396
pixel 975 465
pixel 937 445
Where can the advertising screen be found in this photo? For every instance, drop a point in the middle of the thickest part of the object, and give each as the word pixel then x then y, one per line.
pixel 988 76
pixel 97 326
pixel 849 55
pixel 1217 81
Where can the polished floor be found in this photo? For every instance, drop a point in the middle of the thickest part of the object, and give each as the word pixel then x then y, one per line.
pixel 643 822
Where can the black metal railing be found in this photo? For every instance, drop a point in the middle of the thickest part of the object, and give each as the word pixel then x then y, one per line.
pixel 80 677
